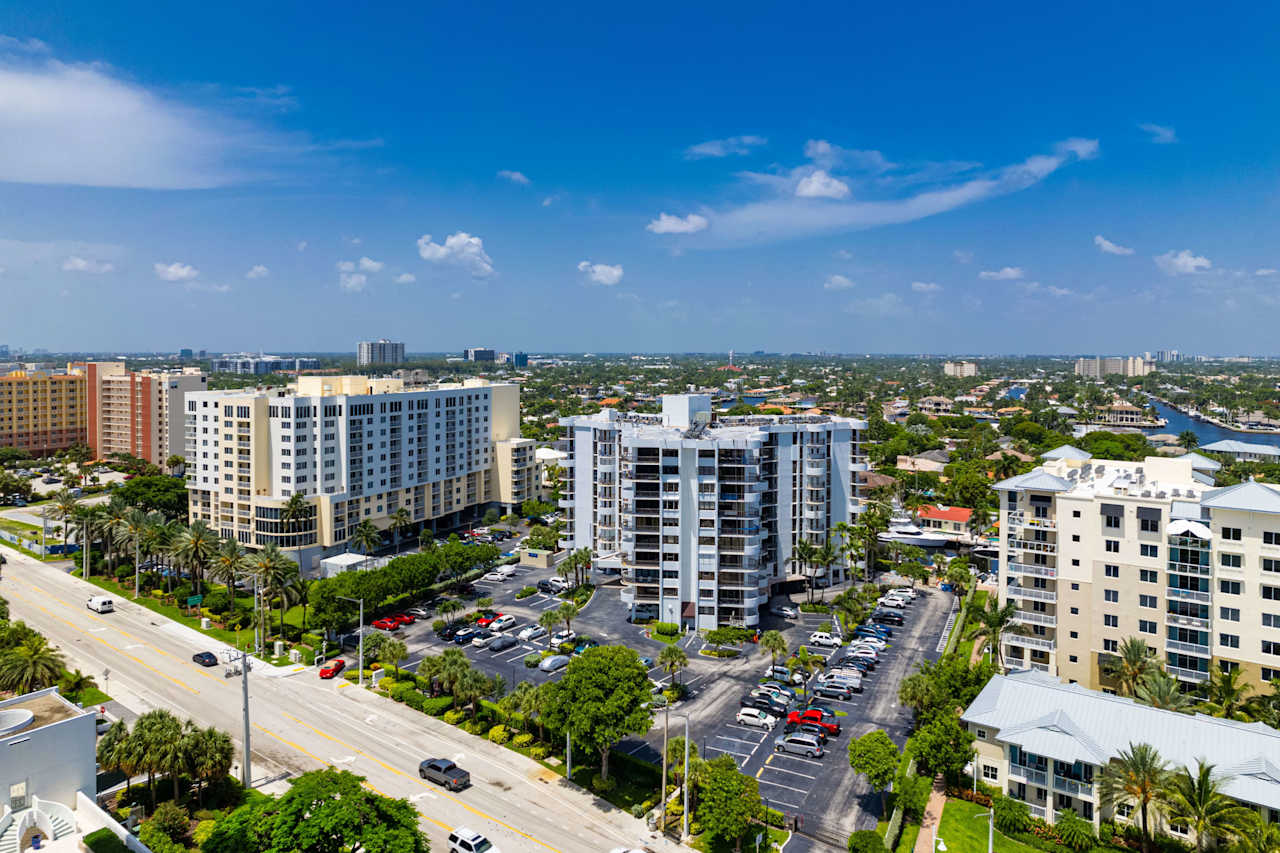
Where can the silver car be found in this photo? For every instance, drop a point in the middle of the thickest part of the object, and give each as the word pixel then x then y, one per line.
pixel 554 663
pixel 800 743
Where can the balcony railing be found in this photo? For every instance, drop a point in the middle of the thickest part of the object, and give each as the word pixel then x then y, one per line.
pixel 1189 595
pixel 1072 787
pixel 1033 545
pixel 1029 774
pixel 1016 568
pixel 1189 648
pixel 1031 617
pixel 1186 621
pixel 1018 591
pixel 1187 674
pixel 1029 642
pixel 1021 519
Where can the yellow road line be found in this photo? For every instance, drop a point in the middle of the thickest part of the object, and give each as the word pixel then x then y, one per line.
pixel 400 772
pixel 105 643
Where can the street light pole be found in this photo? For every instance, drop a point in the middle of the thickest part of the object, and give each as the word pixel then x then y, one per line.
pixel 360 635
pixel 684 826
pixel 245 776
pixel 991 828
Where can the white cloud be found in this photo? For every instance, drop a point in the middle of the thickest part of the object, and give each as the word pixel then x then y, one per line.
pixel 352 282
pixel 302 246
pixel 829 156
pixel 843 254
pixel 9 44
pixel 837 282
pixel 1160 134
pixel 962 256
pixel 461 249
pixel 346 266
pixel 668 224
pixel 819 184
pixel 1002 274
pixel 1034 287
pixel 207 287
pixel 925 287
pixel 548 201
pixel 370 265
pixel 1059 291
pixel 406 278
pixel 258 271
pixel 75 263
pixel 176 271
pixel 605 274
pixel 1182 263
pixel 1264 271
pixel 1110 248
pixel 724 147
pixel 514 177
pixel 355 241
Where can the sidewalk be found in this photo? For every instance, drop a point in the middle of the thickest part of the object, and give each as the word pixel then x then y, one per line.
pixel 932 816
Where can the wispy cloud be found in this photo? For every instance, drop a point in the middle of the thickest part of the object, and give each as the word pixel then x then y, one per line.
pixel 370 265
pixel 459 249
pixel 352 282
pixel 406 278
pixel 258 271
pixel 925 287
pixel 514 177
pixel 1160 134
pixel 605 274
pixel 828 156
pixel 1002 274
pixel 176 271
pixel 278 98
pixel 1110 248
pixel 1182 263
pixel 302 245
pixel 1265 271
pixel 837 282
pixel 75 263
pixel 668 224
pixel 962 256
pixel 819 184
pixel 724 147
pixel 11 44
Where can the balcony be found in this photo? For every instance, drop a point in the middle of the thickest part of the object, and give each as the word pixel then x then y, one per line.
pixel 1028 642
pixel 1186 621
pixel 1187 674
pixel 1030 592
pixel 1031 617
pixel 1029 774
pixel 1021 519
pixel 1072 787
pixel 1033 545
pixel 1189 595
pixel 1015 568
pixel 1188 648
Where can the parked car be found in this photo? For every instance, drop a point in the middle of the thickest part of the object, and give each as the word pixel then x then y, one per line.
pixel 815 717
pixel 544 585
pixel 786 611
pixel 487 618
pixel 502 622
pixel 755 718
pixel 868 640
pixel 834 690
pixel 808 728
pixel 554 663
pixel 887 617
pixel 775 687
pixel 905 590
pixel 559 638
pixel 494 576
pixel 532 632
pixel 822 638
pixel 332 668
pixel 205 658
pixel 825 710
pixel 502 642
pixel 464 635
pixel 448 632
pixel 507 572
pixel 444 772
pixel 786 676
pixel 768 704
pixel 482 637
pixel 584 643
pixel 403 618
pixel 558 585
pixel 887 601
pixel 800 743
pixel 419 612
pixel 464 840
pixel 386 624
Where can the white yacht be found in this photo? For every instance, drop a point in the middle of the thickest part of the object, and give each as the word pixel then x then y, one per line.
pixel 904 529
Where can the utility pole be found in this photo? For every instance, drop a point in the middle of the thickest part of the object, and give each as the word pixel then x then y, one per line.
pixel 360 635
pixel 684 826
pixel 245 776
pixel 84 562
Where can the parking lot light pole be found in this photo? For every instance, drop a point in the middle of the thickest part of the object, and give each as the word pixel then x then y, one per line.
pixel 360 634
pixel 684 825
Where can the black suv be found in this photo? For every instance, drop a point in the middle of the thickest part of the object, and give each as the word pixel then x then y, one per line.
pixel 885 617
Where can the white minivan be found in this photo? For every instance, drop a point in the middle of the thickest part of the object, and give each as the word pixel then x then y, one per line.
pixel 100 604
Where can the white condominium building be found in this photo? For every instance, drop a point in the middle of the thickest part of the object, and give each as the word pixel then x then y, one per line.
pixel 381 351
pixel 1100 366
pixel 358 449
pixel 1095 551
pixel 700 513
pixel 959 368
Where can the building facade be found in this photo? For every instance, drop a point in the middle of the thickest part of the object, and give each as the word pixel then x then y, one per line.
pixel 43 411
pixel 358 449
pixel 139 413
pixel 480 354
pixel 259 365
pixel 959 368
pixel 381 351
pixel 1099 366
pixel 1097 551
pixel 701 514
pixel 1245 451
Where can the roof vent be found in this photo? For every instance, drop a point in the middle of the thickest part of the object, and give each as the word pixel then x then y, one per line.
pixel 1147 493
pixel 1161 495
pixel 1175 493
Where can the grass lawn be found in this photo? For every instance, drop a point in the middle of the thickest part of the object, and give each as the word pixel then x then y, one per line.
pixel 907 840
pixel 777 838
pixel 962 829
pixel 177 614
pixel 18 527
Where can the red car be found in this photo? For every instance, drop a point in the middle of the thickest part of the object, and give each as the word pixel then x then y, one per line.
pixel 332 668
pixel 487 619
pixel 386 624
pixel 813 715
pixel 402 618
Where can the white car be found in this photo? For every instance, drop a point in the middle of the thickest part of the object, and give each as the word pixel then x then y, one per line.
pixel 532 632
pixel 483 641
pixel 890 601
pixel 904 590
pixel 756 718
pixel 786 611
pixel 873 642
pixel 822 638
pixel 559 638
pixel 502 623
pixel 864 652
pixel 496 577
pixel 465 840
pixel 506 571
pixel 558 584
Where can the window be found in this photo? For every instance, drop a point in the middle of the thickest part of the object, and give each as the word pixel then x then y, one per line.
pixel 1233 588
pixel 1270 537
pixel 1124 809
pixel 1269 565
pixel 1270 648
pixel 1149 550
pixel 1111 595
pixel 982 734
pixel 1075 537
pixel 1075 611
pixel 1229 614
pixel 990 772
pixel 1269 674
pixel 1113 546
pixel 1075 635
pixel 1271 620
pixel 1111 620
pixel 1231 641
pixel 1146 626
pixel 1110 645
pixel 1111 571
pixel 1147 601
pixel 1075 513
pixel 1073 658
pixel 1148 576
pixel 1227 666
pixel 1271 593
pixel 1112 521
pixel 1149 525
pixel 1231 561
pixel 1075 586
pixel 1231 534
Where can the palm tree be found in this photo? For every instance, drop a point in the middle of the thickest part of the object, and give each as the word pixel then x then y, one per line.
pixel 156 536
pixel 392 652
pixel 1188 439
pixel 399 522
pixel 1259 836
pixel 802 555
pixel 211 753
pixel 1137 777
pixel 1196 801
pixel 366 537
pixel 450 607
pixel 194 547
pixel 111 514
pixel 227 562
pixel 775 644
pixel 993 622
pixel 550 620
pixel 164 752
pixel 277 577
pixel 567 611
pixel 73 684
pixel 294 511
pixel 1161 690
pixel 33 665
pixel 515 702
pixel 1131 663
pixel 471 686
pixel 63 506
pixel 1225 695
pixel 129 534
pixel 112 748
pixel 173 462
pixel 825 556
pixel 672 659
pixel 427 540
pixel 844 532
pixel 979 521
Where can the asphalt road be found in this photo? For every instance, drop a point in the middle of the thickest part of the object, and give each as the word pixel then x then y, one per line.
pixel 300 723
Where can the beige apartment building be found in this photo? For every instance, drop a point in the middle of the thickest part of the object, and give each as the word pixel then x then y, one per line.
pixel 358 449
pixel 1100 366
pixel 138 412
pixel 959 368
pixel 1095 551
pixel 43 411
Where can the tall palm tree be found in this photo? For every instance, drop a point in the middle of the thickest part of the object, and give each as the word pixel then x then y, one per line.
pixel 392 652
pixel 157 533
pixel 73 684
pixel 211 754
pixel 276 575
pixel 567 611
pixel 1137 777
pixel 1259 836
pixel 802 555
pixel 450 607
pixel 1196 801
pixel 979 521
pixel 296 510
pixel 109 518
pixel 129 534
pixel 1131 663
pixel 227 561
pixel 515 702
pixel 775 644
pixel 993 622
pixel 1188 439
pixel 161 733
pixel 399 523
pixel 194 547
pixel 844 537
pixel 825 556
pixel 111 747
pixel 1225 695
pixel 83 527
pixel 550 620
pixel 672 659
pixel 1006 465
pixel 62 507
pixel 33 665
pixel 1161 690
pixel 366 537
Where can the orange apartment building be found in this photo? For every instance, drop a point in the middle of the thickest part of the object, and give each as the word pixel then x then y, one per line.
pixel 43 411
pixel 138 412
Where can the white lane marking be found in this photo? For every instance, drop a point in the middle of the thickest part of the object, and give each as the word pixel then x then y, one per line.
pixel 738 740
pixel 792 772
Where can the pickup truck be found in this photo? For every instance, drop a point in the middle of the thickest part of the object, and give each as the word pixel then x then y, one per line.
pixel 442 771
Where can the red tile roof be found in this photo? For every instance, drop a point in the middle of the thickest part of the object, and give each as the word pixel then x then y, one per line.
pixel 947 513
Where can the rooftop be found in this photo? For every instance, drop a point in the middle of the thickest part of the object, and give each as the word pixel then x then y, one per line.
pixel 1230 445
pixel 1155 478
pixel 45 708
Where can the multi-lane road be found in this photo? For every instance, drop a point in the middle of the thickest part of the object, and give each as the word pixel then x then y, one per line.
pixel 300 723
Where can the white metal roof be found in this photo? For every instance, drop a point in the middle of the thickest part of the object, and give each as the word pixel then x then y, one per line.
pixel 1037 480
pixel 1230 445
pixel 1066 451
pixel 1202 463
pixel 1249 496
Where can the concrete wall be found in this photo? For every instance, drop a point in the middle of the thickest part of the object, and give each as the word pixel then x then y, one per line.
pixel 55 761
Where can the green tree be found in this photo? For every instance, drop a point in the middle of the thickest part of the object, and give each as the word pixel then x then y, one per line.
pixel 875 756
pixel 366 537
pixel 392 652
pixel 195 547
pixel 296 510
pixel 1259 836
pixel 166 495
pixel 1196 801
pixel 1188 439
pixel 672 659
pixel 1137 777
pixel 728 801
pixel 1130 665
pixel 1161 690
pixel 943 745
pixel 1074 831
pixel 210 755
pixel 567 612
pixel 399 522
pixel 33 665
pixel 602 698
pixel 1227 695
pixel 75 683
pixel 173 462
pixel 325 811
pixel 993 622
pixel 773 643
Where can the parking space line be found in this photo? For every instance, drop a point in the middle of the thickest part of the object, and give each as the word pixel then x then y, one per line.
pixel 747 729
pixel 784 770
pixel 729 751
pixel 769 760
pixel 738 740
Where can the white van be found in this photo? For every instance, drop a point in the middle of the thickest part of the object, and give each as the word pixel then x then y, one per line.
pixel 100 604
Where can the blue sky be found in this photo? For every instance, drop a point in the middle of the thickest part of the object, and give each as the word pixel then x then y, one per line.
pixel 846 177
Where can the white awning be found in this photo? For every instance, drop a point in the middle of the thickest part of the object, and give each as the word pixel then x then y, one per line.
pixel 1187 527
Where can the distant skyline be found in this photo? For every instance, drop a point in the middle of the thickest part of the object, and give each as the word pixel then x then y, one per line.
pixel 582 178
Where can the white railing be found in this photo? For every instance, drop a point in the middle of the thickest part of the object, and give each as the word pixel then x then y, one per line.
pixel 1034 545
pixel 1187 674
pixel 1028 642
pixel 1189 648
pixel 1189 594
pixel 1021 519
pixel 1018 591
pixel 1072 787
pixel 1028 774
pixel 1016 568
pixel 1038 811
pixel 1033 618
pixel 1186 621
